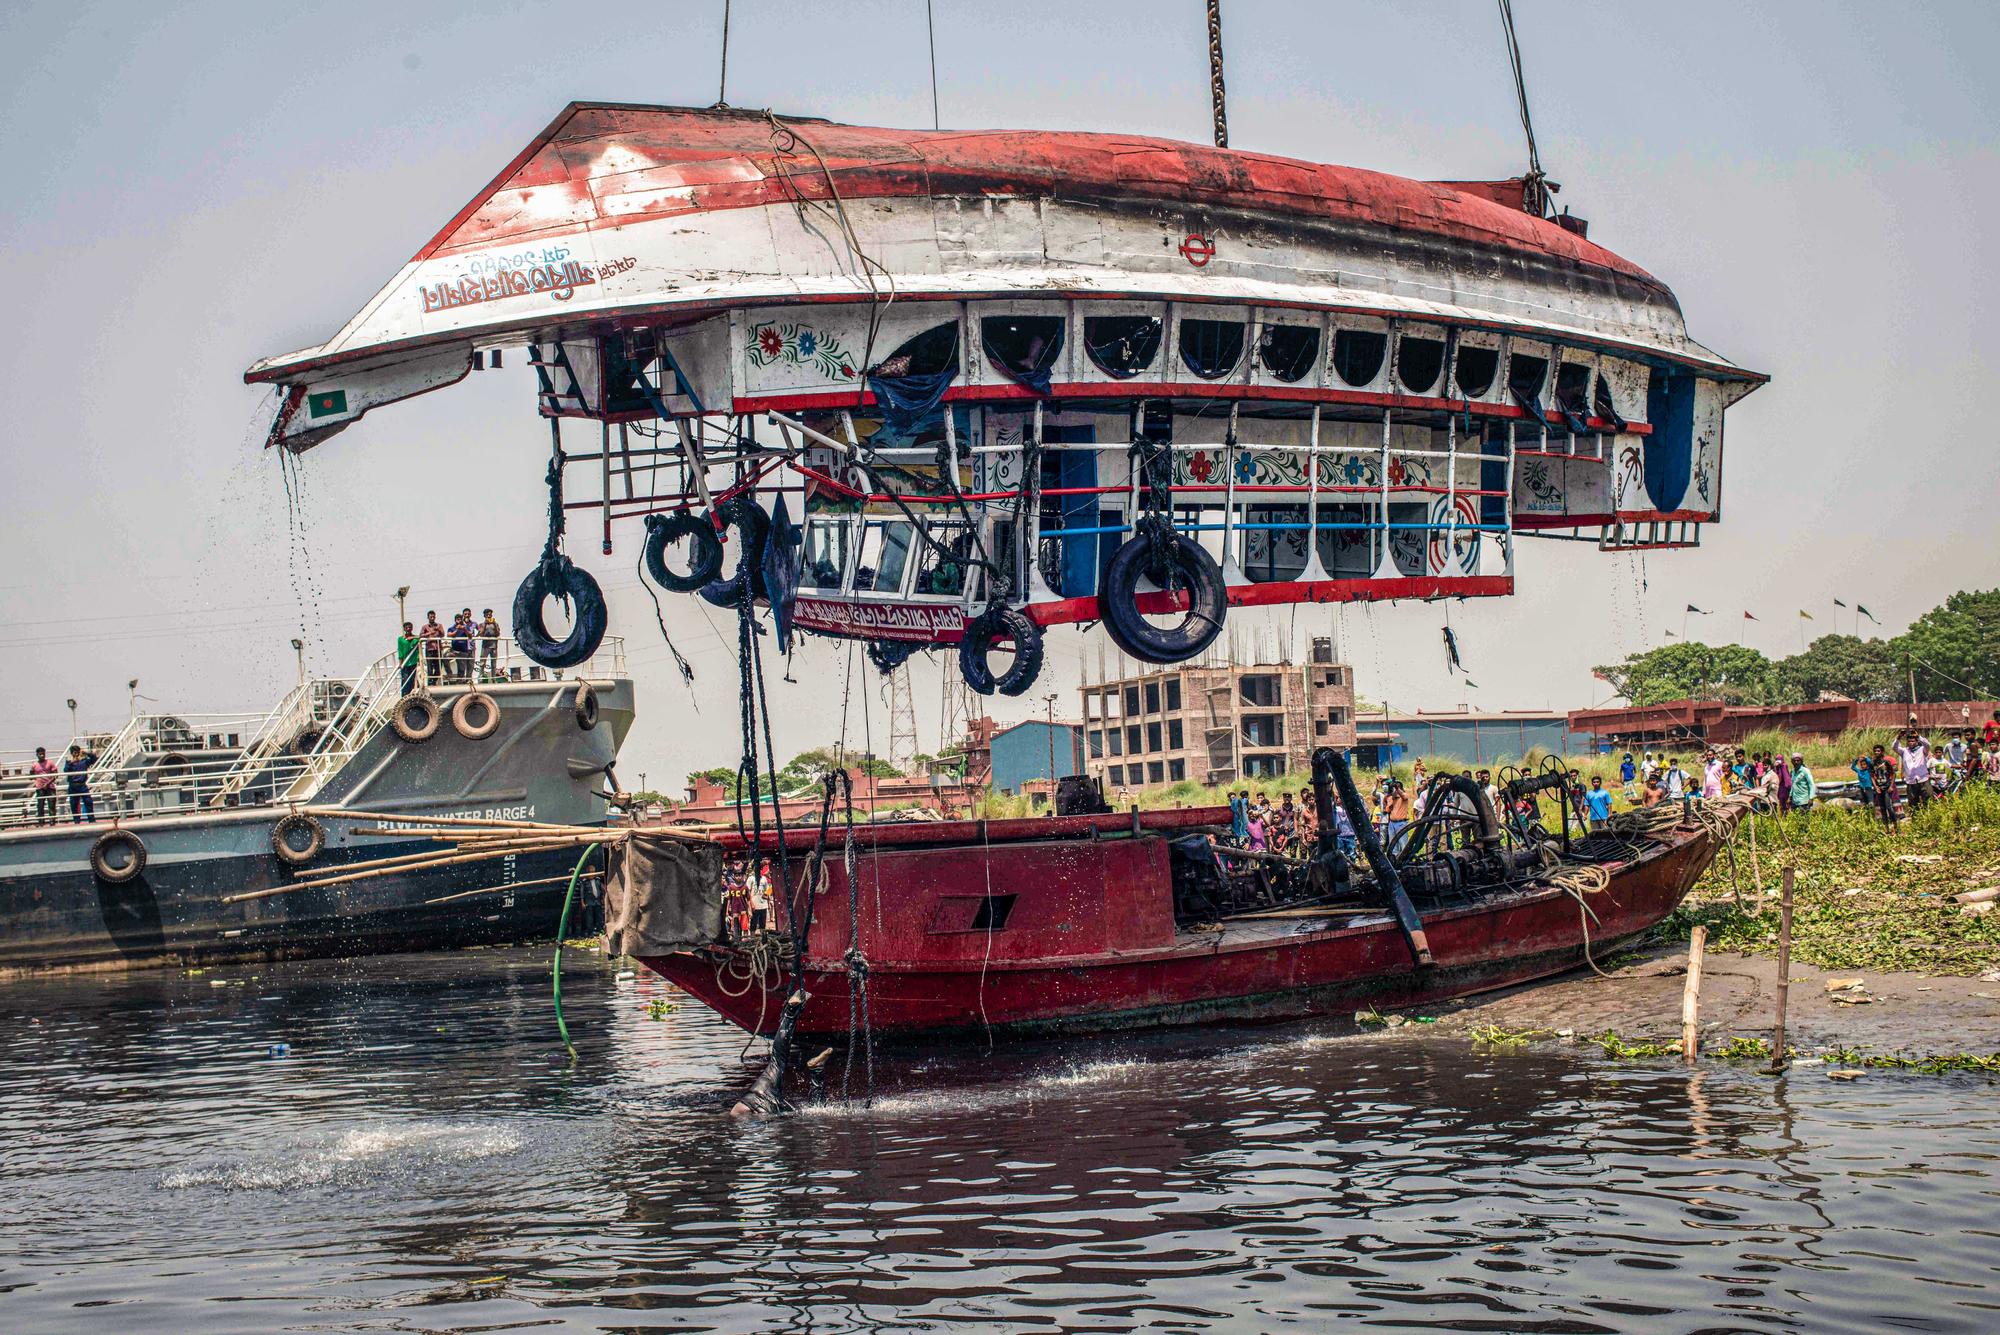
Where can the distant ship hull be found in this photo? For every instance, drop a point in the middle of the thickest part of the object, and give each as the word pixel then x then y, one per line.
pixel 56 912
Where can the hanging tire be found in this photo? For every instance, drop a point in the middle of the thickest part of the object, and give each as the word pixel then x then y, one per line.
pixel 416 718
pixel 476 715
pixel 297 839
pixel 704 556
pixel 563 579
pixel 118 856
pixel 1189 567
pixel 585 706
pixel 307 741
pixel 753 528
pixel 989 629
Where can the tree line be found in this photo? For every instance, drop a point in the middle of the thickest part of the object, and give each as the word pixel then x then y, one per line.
pixel 1951 652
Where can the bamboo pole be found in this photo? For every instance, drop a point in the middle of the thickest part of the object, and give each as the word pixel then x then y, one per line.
pixel 1691 996
pixel 1784 970
pixel 511 885
pixel 408 859
pixel 455 860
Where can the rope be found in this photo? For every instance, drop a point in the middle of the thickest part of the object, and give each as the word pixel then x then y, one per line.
pixel 659 615
pixel 1215 90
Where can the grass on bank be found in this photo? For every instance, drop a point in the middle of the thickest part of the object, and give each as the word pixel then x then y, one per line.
pixel 1863 899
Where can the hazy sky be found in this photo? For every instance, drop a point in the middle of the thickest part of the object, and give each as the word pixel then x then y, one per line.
pixel 192 186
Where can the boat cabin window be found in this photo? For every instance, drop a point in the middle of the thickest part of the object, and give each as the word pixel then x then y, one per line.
pixel 1122 346
pixel 1274 542
pixel 1605 406
pixel 1419 362
pixel 1476 369
pixel 1358 353
pixel 1524 380
pixel 1288 351
pixel 1023 347
pixel 1573 390
pixel 885 554
pixel 825 564
pixel 936 574
pixel 933 352
pixel 1211 348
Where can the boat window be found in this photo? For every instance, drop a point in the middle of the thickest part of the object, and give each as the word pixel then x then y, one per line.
pixel 1288 351
pixel 1419 362
pixel 1573 392
pixel 993 913
pixel 1347 540
pixel 1122 346
pixel 1358 353
pixel 1524 381
pixel 885 552
pixel 938 573
pixel 1476 369
pixel 933 352
pixel 1274 542
pixel 1606 407
pixel 826 554
pixel 1023 347
pixel 1211 348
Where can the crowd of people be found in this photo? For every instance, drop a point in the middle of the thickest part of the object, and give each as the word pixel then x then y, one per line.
pixel 75 774
pixel 1892 779
pixel 446 653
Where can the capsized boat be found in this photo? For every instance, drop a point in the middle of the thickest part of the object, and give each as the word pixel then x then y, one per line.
pixel 1016 379
pixel 1103 921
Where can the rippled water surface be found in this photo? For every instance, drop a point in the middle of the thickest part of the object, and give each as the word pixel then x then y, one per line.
pixel 416 1162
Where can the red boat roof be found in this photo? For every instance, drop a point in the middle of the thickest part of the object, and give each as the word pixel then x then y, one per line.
pixel 603 164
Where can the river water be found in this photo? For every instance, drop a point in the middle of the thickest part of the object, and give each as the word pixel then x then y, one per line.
pixel 413 1160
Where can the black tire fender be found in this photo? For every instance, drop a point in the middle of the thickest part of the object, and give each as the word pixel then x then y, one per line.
pixel 113 845
pixel 564 579
pixel 1118 600
pixel 584 704
pixel 753 526
pixel 289 850
pixel 990 628
pixel 480 705
pixel 705 555
pixel 416 718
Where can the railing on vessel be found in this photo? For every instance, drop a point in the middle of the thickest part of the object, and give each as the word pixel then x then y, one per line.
pixel 160 764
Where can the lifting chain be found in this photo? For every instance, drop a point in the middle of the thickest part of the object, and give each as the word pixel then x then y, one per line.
pixel 1215 90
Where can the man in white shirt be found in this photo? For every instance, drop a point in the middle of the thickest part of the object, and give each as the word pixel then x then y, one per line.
pixel 1914 754
pixel 1676 782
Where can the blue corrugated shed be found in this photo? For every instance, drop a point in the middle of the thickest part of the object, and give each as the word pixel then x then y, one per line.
pixel 1021 753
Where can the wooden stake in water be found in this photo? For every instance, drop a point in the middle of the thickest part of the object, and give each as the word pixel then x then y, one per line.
pixel 1691 996
pixel 1784 969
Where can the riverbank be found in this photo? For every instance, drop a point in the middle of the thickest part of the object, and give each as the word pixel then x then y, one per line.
pixel 1845 1018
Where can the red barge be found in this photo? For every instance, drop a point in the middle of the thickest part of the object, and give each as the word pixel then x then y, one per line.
pixel 1105 921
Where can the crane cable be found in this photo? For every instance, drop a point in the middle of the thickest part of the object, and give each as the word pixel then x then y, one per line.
pixel 1535 193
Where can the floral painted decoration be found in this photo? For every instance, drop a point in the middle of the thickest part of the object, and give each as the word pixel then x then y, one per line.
pixel 799 345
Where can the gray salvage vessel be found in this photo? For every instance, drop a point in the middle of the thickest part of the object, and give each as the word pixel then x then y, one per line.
pixel 194 815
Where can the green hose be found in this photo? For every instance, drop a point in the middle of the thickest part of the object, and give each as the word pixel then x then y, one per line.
pixel 562 934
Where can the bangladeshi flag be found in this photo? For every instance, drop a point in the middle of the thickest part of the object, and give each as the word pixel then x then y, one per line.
pixel 326 403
